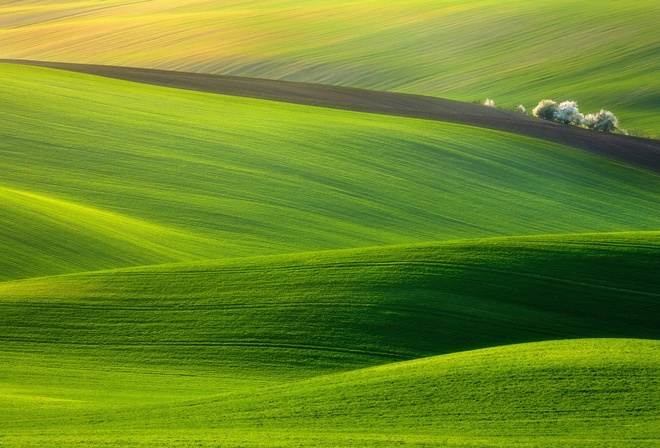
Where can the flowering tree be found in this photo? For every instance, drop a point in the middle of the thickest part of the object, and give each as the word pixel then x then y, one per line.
pixel 545 109
pixel 604 121
pixel 568 113
pixel 489 102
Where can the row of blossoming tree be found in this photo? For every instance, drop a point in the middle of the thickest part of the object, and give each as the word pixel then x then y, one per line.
pixel 568 113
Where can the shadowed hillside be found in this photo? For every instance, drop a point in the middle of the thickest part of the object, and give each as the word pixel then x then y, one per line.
pixel 300 315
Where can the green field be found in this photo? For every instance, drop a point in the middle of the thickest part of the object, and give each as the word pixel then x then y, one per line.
pixel 134 175
pixel 186 269
pixel 582 393
pixel 603 54
pixel 263 345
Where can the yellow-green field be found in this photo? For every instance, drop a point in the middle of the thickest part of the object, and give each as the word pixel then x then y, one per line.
pixel 604 54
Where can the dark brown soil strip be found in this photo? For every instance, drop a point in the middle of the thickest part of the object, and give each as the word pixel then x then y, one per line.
pixel 639 152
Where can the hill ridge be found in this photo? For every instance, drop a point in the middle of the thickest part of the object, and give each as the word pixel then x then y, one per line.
pixel 254 262
pixel 640 152
pixel 343 309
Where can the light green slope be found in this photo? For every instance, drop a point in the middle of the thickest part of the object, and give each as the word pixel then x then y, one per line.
pixel 45 235
pixel 601 392
pixel 578 393
pixel 260 178
pixel 602 53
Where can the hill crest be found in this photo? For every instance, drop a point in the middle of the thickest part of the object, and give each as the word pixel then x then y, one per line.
pixel 639 152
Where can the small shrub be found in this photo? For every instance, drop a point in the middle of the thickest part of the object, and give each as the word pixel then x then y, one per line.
pixel 604 121
pixel 545 109
pixel 520 109
pixel 489 102
pixel 568 113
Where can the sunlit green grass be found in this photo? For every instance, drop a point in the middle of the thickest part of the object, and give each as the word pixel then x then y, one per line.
pixel 46 235
pixel 577 393
pixel 582 393
pixel 603 54
pixel 111 174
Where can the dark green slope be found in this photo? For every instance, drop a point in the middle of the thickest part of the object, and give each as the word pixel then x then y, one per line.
pixel 299 315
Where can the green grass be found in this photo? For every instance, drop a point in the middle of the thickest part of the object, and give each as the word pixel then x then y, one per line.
pixel 248 273
pixel 354 307
pixel 582 393
pixel 604 54
pixel 46 235
pixel 197 176
pixel 180 333
pixel 543 394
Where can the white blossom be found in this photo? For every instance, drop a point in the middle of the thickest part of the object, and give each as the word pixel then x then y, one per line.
pixel 604 121
pixel 568 113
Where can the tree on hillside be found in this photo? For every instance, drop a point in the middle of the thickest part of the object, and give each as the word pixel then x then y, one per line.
pixel 604 121
pixel 568 113
pixel 545 109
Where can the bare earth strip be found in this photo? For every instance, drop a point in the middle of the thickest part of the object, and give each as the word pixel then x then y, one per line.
pixel 642 153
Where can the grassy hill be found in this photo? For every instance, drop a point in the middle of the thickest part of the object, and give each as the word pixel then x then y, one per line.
pixel 354 306
pixel 348 309
pixel 46 235
pixel 582 393
pixel 602 54
pixel 102 353
pixel 241 272
pixel 567 393
pixel 208 176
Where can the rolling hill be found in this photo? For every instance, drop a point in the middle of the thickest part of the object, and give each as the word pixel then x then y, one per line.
pixel 640 152
pixel 211 176
pixel 602 54
pixel 266 343
pixel 356 307
pixel 573 393
pixel 183 268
